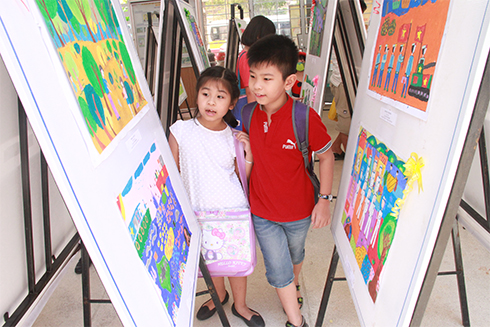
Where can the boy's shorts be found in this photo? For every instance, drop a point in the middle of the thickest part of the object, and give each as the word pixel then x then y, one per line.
pixel 282 245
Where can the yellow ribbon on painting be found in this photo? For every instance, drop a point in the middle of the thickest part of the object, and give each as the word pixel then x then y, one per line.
pixel 413 173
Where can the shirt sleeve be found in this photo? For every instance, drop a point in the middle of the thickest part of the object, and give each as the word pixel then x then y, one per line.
pixel 319 139
pixel 176 130
pixel 244 71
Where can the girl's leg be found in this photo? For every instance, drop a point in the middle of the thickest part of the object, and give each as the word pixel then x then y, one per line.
pixel 219 285
pixel 239 290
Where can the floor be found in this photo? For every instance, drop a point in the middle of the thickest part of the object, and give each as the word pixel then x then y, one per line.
pixel 64 308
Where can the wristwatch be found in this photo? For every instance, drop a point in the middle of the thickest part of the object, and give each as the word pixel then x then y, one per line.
pixel 326 197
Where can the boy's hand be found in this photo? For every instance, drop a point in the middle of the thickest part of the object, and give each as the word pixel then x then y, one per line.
pixel 321 215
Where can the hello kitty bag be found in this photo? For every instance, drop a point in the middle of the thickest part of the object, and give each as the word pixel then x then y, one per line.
pixel 228 237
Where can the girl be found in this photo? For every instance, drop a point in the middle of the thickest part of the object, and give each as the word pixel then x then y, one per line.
pixel 204 151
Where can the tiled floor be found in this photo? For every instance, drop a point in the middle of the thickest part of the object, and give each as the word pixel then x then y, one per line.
pixel 65 306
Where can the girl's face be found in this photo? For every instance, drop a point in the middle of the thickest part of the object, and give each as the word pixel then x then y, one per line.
pixel 213 101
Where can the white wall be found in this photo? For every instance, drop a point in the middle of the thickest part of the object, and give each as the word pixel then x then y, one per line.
pixel 13 267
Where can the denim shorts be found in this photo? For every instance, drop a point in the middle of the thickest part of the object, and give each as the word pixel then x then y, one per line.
pixel 282 245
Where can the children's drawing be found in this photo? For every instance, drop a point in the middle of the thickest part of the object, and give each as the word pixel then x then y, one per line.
pixel 378 186
pixel 192 31
pixel 406 52
pixel 318 16
pixel 87 35
pixel 157 227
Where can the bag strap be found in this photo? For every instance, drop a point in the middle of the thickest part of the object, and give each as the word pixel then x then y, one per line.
pixel 240 159
pixel 301 116
pixel 247 112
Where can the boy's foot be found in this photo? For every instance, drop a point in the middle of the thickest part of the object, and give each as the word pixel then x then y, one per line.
pixel 206 313
pixel 339 156
pixel 303 323
pixel 255 320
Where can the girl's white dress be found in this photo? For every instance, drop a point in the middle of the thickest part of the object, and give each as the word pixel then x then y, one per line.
pixel 207 166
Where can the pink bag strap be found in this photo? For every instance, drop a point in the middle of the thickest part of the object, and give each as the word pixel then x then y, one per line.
pixel 240 159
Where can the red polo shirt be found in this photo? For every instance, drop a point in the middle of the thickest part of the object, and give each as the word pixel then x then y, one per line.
pixel 280 189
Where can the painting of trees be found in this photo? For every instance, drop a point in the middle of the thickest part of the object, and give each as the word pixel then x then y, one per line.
pixel 89 40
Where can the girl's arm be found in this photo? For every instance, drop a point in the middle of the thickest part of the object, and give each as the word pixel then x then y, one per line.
pixel 321 215
pixel 174 147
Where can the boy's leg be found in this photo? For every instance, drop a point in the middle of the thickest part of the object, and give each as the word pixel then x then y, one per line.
pixel 282 245
pixel 289 302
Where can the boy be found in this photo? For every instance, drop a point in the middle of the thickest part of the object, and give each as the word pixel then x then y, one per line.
pixel 281 193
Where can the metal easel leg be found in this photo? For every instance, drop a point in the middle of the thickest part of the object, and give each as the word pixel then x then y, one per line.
pixel 458 260
pixel 328 287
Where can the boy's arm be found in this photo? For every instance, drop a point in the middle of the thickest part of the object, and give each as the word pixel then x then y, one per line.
pixel 321 215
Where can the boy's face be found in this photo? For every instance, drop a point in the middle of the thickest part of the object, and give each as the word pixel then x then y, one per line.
pixel 269 87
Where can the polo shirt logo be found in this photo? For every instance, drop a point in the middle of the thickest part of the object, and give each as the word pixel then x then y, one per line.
pixel 289 145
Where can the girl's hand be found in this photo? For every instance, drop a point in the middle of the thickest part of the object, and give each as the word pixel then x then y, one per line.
pixel 245 140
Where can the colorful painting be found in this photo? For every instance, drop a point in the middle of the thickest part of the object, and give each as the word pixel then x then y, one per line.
pixel 406 52
pixel 378 186
pixel 192 31
pixel 90 45
pixel 318 17
pixel 157 227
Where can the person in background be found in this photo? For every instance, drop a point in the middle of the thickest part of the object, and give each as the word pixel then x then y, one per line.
pixel 343 112
pixel 258 27
pixel 300 68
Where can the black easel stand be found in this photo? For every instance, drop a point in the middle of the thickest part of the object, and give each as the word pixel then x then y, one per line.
pixel 233 42
pixel 459 272
pixel 35 286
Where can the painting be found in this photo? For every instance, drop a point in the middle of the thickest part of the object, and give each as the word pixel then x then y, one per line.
pixel 406 52
pixel 318 54
pixel 379 183
pixel 318 16
pixel 88 39
pixel 157 227
pixel 191 28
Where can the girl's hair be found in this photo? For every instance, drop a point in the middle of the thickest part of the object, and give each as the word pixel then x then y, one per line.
pixel 229 81
pixel 258 27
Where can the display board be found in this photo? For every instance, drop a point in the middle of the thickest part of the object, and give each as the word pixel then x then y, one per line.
pixel 78 75
pixel 318 53
pixel 138 13
pixel 191 29
pixel 400 166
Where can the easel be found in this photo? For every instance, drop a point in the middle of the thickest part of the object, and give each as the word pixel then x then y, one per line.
pixel 233 43
pixel 348 44
pixel 151 48
pixel 36 286
pixel 449 223
pixel 170 63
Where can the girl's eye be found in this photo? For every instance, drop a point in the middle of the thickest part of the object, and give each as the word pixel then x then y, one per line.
pixel 221 96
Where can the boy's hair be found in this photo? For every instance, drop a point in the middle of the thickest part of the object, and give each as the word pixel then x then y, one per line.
pixel 276 50
pixel 258 27
pixel 229 81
